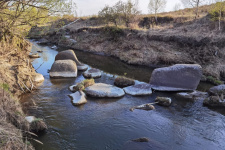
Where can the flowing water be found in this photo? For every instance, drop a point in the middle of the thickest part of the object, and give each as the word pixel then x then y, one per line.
pixel 108 124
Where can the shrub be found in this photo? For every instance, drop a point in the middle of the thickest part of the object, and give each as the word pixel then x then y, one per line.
pixel 113 32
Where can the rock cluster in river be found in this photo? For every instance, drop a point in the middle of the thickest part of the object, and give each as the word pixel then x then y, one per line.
pixel 70 55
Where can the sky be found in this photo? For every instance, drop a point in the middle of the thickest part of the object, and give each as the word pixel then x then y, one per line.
pixel 92 7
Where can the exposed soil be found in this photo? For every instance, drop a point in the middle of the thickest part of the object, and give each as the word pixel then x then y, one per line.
pixel 196 41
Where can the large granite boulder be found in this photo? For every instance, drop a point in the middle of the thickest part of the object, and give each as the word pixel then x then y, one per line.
pixel 63 69
pixel 180 77
pixel 92 73
pixel 217 90
pixel 104 90
pixel 139 89
pixel 69 54
pixel 78 98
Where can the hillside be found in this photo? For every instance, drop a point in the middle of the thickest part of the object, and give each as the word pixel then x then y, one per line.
pixel 177 38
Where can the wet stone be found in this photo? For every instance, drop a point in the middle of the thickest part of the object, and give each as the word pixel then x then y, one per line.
pixel 163 101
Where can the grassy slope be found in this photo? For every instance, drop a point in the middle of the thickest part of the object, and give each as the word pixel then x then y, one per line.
pixel 15 67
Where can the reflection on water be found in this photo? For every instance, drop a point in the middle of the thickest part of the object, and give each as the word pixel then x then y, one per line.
pixel 108 123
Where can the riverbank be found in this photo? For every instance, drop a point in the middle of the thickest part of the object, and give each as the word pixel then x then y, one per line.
pixel 16 78
pixel 192 42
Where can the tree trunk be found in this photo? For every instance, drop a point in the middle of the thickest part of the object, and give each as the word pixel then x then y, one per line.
pixel 220 19
pixel 197 6
pixel 156 20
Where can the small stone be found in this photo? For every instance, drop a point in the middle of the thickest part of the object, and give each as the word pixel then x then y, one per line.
pixel 144 107
pixel 104 90
pixel 144 139
pixel 78 98
pixel 30 118
pixel 192 95
pixel 34 55
pixel 38 78
pixel 123 82
pixel 139 89
pixel 163 101
pixel 92 73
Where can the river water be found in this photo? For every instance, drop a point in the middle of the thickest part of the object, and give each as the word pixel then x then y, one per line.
pixel 108 124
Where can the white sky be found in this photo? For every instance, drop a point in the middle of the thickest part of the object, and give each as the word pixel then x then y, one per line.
pixel 92 7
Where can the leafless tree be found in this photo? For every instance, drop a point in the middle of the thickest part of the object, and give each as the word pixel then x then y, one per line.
pixel 156 6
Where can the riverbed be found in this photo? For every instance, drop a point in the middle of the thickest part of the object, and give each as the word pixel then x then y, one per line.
pixel 108 123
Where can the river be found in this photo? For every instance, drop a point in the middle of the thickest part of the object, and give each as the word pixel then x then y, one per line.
pixel 103 124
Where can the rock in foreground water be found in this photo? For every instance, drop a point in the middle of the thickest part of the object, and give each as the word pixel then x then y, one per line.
pixel 214 101
pixel 92 73
pixel 104 90
pixel 69 54
pixel 63 69
pixel 78 98
pixel 38 78
pixel 143 107
pixel 139 89
pixel 163 101
pixel 180 77
pixel 192 95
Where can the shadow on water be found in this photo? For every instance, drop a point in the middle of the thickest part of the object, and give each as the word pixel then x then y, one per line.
pixel 108 123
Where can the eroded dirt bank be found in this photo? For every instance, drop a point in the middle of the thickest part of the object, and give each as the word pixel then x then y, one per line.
pixel 16 77
pixel 193 42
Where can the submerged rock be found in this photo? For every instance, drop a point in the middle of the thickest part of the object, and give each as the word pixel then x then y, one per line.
pixel 69 54
pixel 38 78
pixel 34 55
pixel 36 124
pixel 180 77
pixel 104 90
pixel 92 73
pixel 63 69
pixel 192 95
pixel 78 98
pixel 217 90
pixel 143 107
pixel 43 41
pixel 139 89
pixel 214 101
pixel 123 82
pixel 163 101
pixel 144 139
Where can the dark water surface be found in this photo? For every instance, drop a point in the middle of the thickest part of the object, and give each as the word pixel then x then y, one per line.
pixel 108 124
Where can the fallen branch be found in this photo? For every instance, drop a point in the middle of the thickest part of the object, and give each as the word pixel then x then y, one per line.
pixel 26 87
pixel 21 88
pixel 39 66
